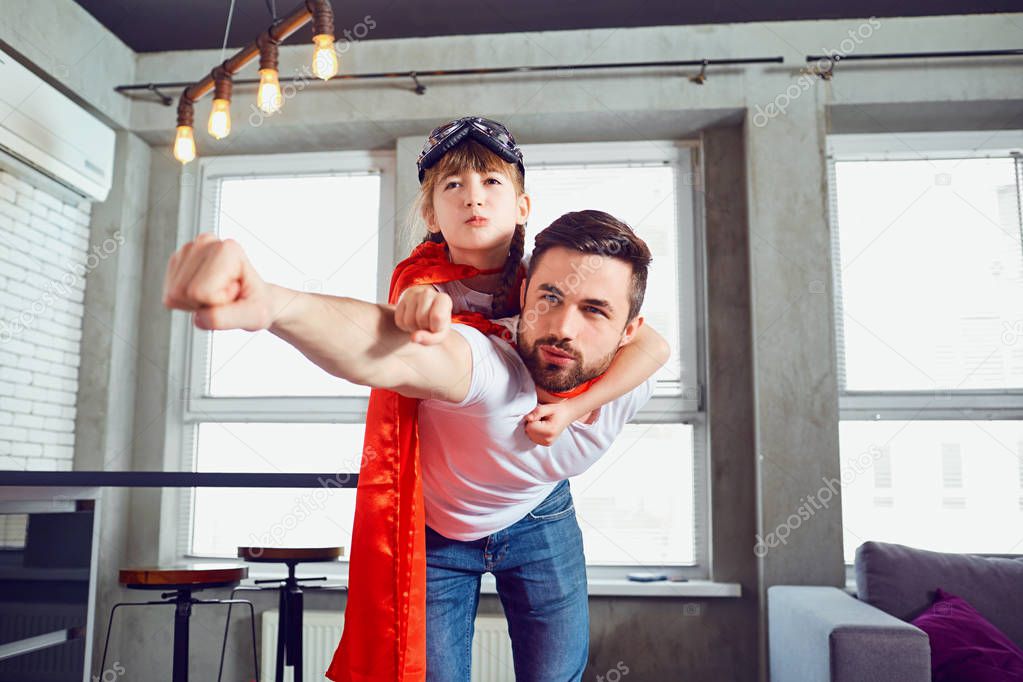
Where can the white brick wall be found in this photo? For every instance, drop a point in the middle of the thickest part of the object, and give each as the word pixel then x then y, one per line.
pixel 44 248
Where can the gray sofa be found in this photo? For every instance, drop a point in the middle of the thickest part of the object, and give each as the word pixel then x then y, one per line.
pixel 819 634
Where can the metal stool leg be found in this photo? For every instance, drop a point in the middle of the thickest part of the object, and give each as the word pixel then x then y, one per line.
pixel 227 623
pixel 223 642
pixel 252 625
pixel 282 633
pixel 255 654
pixel 110 627
pixel 182 613
pixel 294 642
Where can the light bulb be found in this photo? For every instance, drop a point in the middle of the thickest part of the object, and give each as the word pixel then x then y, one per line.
pixel 324 57
pixel 269 95
pixel 220 119
pixel 184 144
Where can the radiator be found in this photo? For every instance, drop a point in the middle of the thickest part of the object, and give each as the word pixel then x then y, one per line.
pixel 321 630
pixel 60 662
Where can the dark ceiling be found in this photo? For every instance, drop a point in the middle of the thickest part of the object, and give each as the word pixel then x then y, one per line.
pixel 156 25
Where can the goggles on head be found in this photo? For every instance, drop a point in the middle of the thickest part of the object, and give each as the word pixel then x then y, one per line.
pixel 490 134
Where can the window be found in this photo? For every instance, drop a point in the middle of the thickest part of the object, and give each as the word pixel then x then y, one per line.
pixel 256 404
pixel 928 265
pixel 312 222
pixel 643 502
pixel 301 244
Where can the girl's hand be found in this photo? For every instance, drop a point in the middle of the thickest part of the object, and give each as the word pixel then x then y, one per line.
pixel 425 313
pixel 546 422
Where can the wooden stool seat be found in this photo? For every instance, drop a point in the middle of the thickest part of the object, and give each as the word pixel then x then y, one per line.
pixel 192 576
pixel 290 554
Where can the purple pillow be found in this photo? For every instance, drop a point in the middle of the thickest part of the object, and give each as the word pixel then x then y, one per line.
pixel 964 646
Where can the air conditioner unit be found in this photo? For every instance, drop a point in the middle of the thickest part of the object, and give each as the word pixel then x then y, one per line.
pixel 45 129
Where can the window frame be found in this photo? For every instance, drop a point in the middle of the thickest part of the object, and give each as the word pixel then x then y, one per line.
pixel 901 405
pixel 190 346
pixel 201 407
pixel 913 405
pixel 689 406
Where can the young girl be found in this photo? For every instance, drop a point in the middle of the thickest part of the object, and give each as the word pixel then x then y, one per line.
pixel 473 201
pixel 474 204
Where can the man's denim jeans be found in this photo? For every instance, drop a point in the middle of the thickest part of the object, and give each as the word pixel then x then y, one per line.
pixel 541 579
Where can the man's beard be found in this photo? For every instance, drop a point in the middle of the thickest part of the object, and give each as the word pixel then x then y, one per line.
pixel 557 378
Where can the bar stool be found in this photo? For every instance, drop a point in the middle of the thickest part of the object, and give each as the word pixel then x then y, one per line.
pixel 289 624
pixel 182 581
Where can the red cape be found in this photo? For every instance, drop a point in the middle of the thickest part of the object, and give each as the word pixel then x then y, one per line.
pixel 384 637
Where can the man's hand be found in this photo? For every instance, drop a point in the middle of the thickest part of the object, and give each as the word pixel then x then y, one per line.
pixel 425 313
pixel 546 422
pixel 214 279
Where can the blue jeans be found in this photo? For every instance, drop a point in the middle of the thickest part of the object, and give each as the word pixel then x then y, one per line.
pixel 541 579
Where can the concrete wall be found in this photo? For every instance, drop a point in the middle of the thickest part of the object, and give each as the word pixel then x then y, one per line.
pixel 105 426
pixel 63 43
pixel 772 388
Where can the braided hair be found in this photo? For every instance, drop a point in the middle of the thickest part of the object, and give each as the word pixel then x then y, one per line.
pixel 501 306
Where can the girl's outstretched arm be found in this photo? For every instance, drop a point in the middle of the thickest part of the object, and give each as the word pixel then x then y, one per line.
pixel 631 366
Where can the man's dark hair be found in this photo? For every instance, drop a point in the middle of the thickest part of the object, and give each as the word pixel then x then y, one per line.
pixel 596 232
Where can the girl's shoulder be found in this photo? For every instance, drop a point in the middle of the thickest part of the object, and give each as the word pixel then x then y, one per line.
pixel 464 299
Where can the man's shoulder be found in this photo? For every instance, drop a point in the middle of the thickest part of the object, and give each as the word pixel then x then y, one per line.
pixel 499 377
pixel 474 334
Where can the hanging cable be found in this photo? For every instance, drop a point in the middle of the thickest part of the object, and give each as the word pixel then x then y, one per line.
pixel 227 30
pixel 1018 160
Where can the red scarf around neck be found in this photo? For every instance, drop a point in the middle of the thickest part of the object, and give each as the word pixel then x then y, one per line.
pixel 384 637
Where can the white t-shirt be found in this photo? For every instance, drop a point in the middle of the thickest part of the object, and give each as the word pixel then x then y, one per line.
pixel 481 473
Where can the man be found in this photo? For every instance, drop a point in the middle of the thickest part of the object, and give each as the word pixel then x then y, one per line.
pixel 494 501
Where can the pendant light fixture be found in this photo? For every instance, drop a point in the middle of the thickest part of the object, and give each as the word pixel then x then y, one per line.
pixel 325 62
pixel 220 116
pixel 184 140
pixel 268 94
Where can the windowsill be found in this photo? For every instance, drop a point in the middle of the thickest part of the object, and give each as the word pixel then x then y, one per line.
pixel 337 576
pixel 607 587
pixel 598 587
